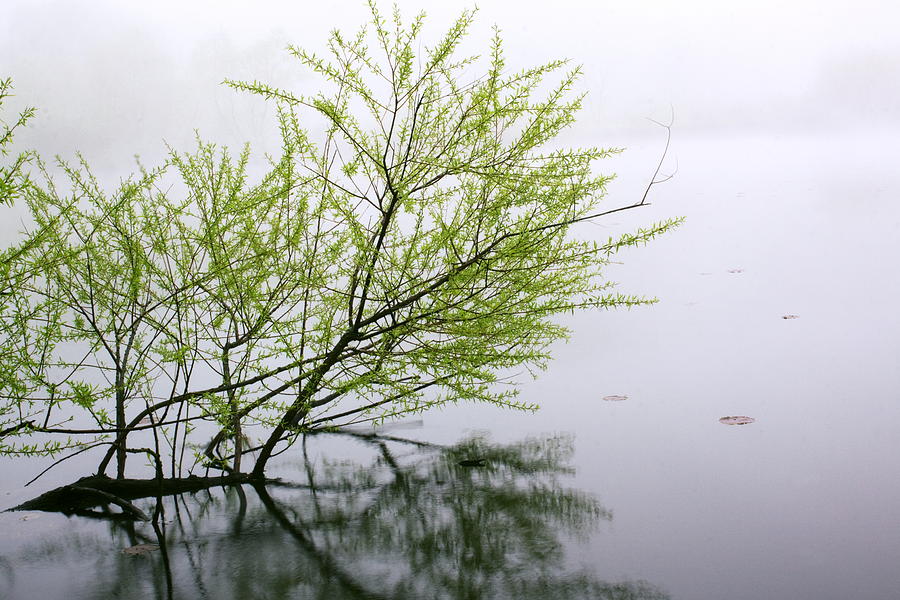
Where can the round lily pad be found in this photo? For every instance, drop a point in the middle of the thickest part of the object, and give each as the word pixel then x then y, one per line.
pixel 615 398
pixel 737 420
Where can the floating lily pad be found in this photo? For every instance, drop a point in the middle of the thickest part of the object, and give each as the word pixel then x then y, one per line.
pixel 615 398
pixel 140 549
pixel 737 420
pixel 790 317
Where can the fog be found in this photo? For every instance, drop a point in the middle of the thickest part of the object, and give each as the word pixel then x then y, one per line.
pixel 115 79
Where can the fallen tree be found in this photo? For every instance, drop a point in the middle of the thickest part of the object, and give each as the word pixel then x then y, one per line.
pixel 414 257
pixel 97 490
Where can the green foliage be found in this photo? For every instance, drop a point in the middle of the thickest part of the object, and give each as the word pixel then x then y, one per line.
pixel 12 180
pixel 416 255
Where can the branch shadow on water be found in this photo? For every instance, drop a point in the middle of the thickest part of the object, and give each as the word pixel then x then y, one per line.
pixel 473 520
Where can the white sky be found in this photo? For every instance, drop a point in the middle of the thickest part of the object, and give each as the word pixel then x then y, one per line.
pixel 115 78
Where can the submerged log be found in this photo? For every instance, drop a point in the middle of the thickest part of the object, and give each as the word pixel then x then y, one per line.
pixel 98 490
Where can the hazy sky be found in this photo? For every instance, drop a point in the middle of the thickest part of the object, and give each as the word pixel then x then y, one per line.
pixel 115 78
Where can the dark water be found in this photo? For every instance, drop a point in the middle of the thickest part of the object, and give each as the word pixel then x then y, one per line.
pixel 642 498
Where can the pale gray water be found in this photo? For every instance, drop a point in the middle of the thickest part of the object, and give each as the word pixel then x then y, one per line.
pixel 803 503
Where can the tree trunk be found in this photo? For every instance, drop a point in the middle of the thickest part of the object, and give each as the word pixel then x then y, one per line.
pixel 121 452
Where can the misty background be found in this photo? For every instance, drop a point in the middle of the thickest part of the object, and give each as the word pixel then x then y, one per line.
pixel 114 79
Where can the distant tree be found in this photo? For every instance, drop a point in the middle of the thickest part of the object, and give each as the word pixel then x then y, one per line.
pixel 415 256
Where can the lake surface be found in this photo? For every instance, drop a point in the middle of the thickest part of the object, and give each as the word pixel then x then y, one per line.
pixel 647 497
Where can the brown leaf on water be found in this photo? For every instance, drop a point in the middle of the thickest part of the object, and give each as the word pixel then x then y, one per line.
pixel 615 398
pixel 140 549
pixel 738 420
pixel 790 316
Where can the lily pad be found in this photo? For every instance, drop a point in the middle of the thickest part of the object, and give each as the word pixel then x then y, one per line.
pixel 140 549
pixel 738 420
pixel 615 398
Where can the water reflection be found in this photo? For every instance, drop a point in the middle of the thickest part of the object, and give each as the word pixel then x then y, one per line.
pixel 410 520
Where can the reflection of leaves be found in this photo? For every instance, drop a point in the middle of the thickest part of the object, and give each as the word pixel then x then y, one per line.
pixel 49 551
pixel 400 525
pixel 8 573
pixel 582 585
pixel 531 456
pixel 446 531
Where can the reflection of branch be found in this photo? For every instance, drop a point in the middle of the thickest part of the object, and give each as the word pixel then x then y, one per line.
pixel 427 528
pixel 315 487
pixel 327 563
pixel 242 509
pixel 389 458
pixel 159 528
pixel 311 478
pixel 377 436
pixel 195 569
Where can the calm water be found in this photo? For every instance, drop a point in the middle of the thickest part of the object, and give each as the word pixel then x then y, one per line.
pixel 645 498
